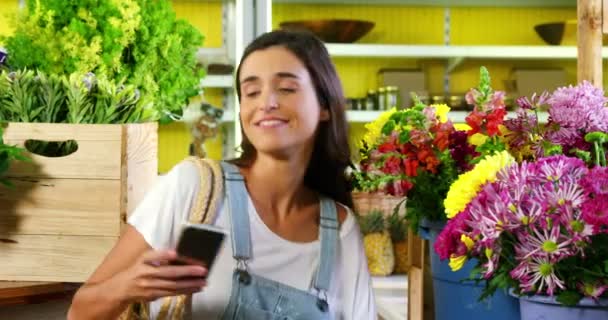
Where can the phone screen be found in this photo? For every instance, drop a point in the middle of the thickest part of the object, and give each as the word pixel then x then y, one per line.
pixel 199 244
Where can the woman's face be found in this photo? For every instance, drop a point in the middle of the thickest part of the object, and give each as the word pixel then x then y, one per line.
pixel 280 111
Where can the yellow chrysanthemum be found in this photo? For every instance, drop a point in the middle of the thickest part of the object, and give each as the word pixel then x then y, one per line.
pixel 478 139
pixel 374 129
pixel 441 111
pixel 467 242
pixel 462 127
pixel 465 188
pixel 457 262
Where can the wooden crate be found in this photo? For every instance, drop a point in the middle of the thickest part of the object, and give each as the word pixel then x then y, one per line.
pixel 66 213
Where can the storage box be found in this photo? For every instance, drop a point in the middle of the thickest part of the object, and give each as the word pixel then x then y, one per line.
pixel 407 80
pixel 66 213
pixel 530 81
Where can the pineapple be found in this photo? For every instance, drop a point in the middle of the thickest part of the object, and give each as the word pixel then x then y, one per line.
pixel 377 243
pixel 398 230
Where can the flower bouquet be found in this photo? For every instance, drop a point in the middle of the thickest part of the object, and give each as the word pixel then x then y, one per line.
pixel 418 152
pixel 415 153
pixel 536 217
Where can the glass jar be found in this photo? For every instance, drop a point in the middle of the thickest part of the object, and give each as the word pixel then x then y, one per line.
pixel 382 103
pixel 371 103
pixel 392 98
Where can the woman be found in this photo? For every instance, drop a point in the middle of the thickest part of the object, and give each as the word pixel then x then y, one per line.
pixel 295 152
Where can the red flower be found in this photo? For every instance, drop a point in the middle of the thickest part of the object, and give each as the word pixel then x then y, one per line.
pixel 392 166
pixel 475 121
pixel 411 167
pixel 442 136
pixel 387 147
pixel 494 119
pixel 399 188
pixel 427 157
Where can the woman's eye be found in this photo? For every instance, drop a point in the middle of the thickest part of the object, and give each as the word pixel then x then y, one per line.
pixel 287 90
pixel 252 94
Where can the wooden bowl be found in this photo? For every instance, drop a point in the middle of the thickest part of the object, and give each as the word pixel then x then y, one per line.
pixel 559 33
pixel 334 30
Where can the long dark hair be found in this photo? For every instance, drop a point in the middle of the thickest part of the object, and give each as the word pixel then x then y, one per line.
pixel 331 153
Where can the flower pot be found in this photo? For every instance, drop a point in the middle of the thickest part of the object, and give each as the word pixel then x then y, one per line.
pixel 544 307
pixel 365 202
pixel 458 299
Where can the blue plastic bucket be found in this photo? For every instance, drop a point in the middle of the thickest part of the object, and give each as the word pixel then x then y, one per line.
pixel 456 299
pixel 543 307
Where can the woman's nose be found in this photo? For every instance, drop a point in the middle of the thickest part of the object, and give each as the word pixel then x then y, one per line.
pixel 269 101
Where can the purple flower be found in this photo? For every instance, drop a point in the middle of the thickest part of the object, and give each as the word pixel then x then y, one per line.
pixel 461 151
pixel 592 290
pixel 595 211
pixel 557 168
pixel 573 107
pixel 448 242
pixel 521 129
pixel 534 102
pixel 596 181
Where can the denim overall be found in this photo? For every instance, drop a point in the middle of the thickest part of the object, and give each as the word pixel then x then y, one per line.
pixel 257 298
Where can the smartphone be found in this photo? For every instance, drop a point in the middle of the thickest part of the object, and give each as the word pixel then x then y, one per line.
pixel 199 244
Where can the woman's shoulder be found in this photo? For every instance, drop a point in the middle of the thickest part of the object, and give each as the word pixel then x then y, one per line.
pixel 346 217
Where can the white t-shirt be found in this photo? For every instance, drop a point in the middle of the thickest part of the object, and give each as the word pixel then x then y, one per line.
pixel 160 216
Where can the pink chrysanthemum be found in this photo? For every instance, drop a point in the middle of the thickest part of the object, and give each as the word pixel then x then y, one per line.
pixel 597 181
pixel 574 107
pixel 595 211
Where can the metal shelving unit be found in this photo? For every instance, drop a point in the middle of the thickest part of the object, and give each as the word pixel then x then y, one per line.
pixel 455 116
pixel 217 81
pixel 446 3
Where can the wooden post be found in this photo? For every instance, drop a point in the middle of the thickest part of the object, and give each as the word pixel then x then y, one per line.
pixel 589 39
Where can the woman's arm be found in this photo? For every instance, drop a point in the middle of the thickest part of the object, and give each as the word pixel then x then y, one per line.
pixel 132 272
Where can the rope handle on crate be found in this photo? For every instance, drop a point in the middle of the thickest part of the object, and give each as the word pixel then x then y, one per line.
pixel 204 211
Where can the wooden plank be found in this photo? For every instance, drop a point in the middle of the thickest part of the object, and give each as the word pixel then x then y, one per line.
pixel 20 293
pixel 415 250
pixel 52 258
pixel 605 16
pixel 416 256
pixel 141 162
pixel 62 131
pixel 61 206
pixel 415 294
pixel 589 63
pixel 92 160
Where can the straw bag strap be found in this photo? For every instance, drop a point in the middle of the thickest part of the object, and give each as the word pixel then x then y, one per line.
pixel 210 192
pixel 204 210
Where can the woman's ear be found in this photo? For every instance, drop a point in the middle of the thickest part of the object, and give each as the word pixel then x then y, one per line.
pixel 324 116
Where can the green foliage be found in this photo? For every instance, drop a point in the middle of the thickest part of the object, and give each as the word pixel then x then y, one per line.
pixel 137 42
pixel 397 227
pixel 28 96
pixel 425 201
pixel 8 154
pixel 372 222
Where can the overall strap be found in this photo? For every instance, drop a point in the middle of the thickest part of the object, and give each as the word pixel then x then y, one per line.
pixel 328 231
pixel 239 214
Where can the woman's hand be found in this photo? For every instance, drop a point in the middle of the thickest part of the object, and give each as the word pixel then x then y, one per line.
pixel 154 276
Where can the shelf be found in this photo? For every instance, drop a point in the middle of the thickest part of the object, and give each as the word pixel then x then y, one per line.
pixel 217 81
pixel 204 55
pixel 390 282
pixel 445 3
pixel 454 51
pixel 455 116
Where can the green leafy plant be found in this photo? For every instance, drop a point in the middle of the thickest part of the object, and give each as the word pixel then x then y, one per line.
pixel 8 154
pixel 136 42
pixel 28 96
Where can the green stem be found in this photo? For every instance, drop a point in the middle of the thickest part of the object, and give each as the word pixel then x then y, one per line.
pixel 587 271
pixel 597 153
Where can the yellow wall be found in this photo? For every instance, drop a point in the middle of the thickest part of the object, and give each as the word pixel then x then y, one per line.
pixel 174 139
pixel 394 24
